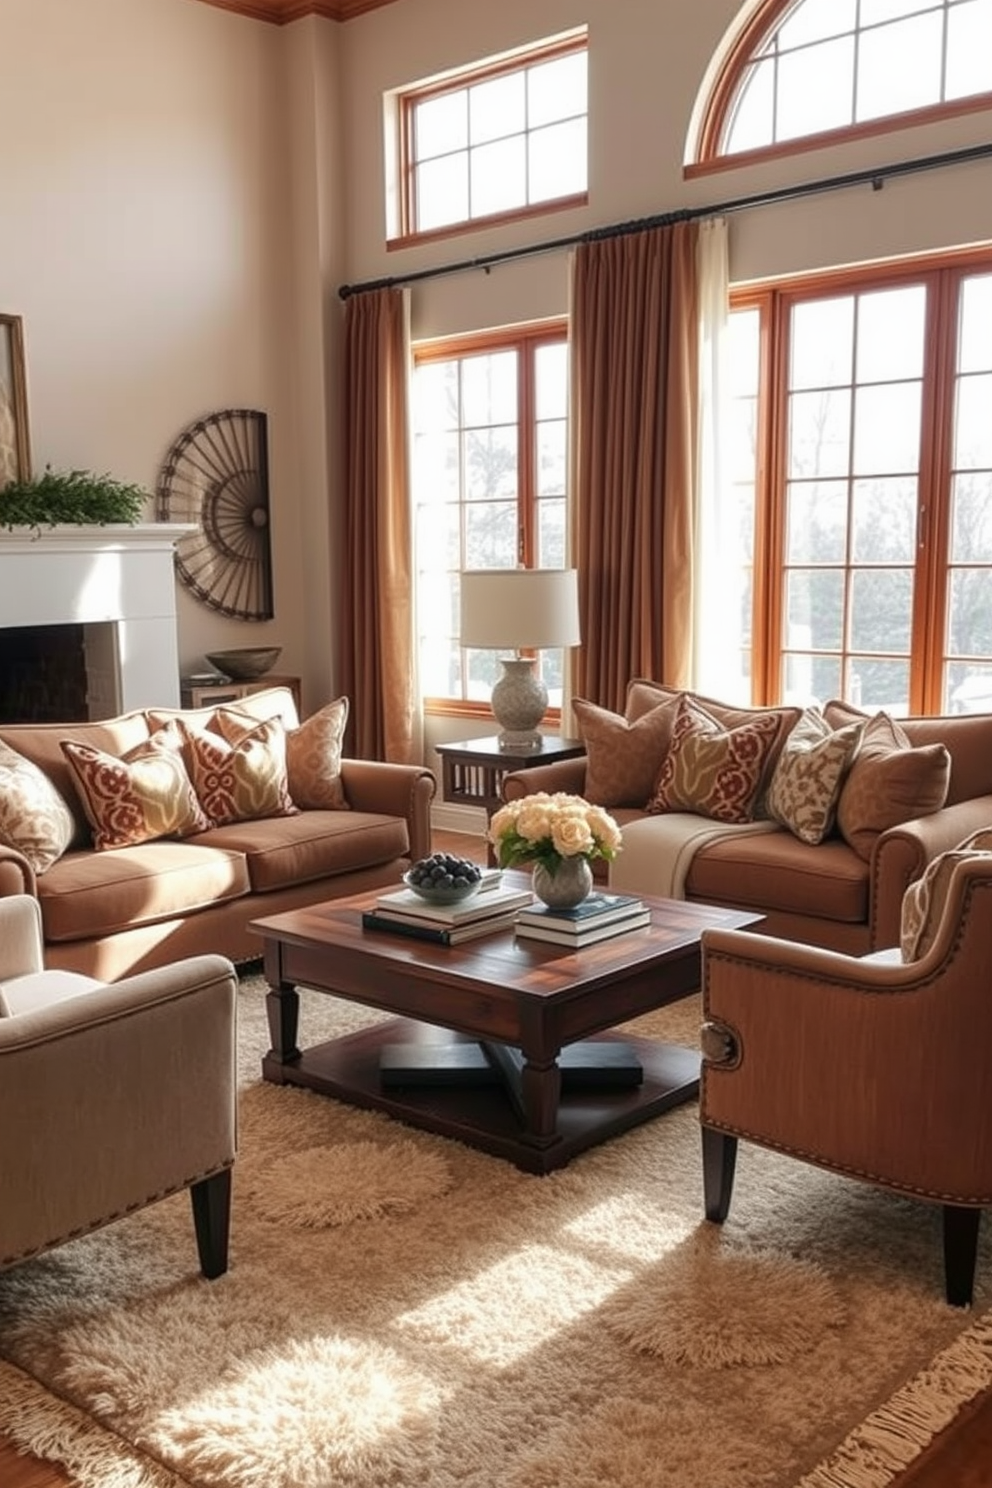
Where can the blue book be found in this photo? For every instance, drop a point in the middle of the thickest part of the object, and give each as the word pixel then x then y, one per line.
pixel 597 908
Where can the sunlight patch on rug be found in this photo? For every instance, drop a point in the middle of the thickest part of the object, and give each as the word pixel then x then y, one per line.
pixel 710 1306
pixel 335 1185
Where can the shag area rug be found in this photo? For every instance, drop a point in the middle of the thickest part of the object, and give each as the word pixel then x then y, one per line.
pixel 403 1310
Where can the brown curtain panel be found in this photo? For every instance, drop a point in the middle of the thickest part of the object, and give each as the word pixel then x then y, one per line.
pixel 377 667
pixel 634 414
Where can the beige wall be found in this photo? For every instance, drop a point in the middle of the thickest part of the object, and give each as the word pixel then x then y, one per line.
pixel 185 189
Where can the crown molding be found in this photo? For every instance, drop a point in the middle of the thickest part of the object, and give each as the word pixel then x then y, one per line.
pixel 281 12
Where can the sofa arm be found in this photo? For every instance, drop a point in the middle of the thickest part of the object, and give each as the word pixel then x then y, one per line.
pixel 564 775
pixel 115 1098
pixel 393 790
pixel 16 874
pixel 901 854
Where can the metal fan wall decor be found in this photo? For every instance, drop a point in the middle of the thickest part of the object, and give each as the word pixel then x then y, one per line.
pixel 217 475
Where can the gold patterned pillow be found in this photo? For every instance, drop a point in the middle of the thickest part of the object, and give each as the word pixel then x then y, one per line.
pixel 34 818
pixel 623 759
pixel 808 775
pixel 923 902
pixel 313 753
pixel 138 796
pixel 889 782
pixel 242 781
pixel 713 771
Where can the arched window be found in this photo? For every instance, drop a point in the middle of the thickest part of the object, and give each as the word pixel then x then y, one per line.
pixel 802 73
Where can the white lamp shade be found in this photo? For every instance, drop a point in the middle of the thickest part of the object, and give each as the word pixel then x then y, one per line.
pixel 519 608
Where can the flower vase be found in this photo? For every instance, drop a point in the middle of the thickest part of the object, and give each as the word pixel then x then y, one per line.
pixel 565 886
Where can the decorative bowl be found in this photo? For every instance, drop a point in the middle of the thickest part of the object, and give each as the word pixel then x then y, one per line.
pixel 443 894
pixel 247 663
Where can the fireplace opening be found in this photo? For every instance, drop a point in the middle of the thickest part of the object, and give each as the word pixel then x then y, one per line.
pixel 58 673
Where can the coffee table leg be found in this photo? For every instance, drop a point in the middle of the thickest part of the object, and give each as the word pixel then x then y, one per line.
pixel 282 1008
pixel 534 1086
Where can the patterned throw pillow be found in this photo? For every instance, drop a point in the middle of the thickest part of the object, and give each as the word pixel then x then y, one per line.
pixel 923 902
pixel 313 753
pixel 889 782
pixel 143 794
pixel 808 776
pixel 34 819
pixel 242 781
pixel 623 759
pixel 715 772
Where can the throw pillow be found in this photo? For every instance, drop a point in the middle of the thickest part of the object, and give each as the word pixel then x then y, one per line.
pixel 807 779
pixel 34 819
pixel 313 753
pixel 713 771
pixel 242 781
pixel 923 902
pixel 138 796
pixel 889 782
pixel 623 759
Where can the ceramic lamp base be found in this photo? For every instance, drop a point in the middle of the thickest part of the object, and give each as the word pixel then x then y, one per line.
pixel 519 702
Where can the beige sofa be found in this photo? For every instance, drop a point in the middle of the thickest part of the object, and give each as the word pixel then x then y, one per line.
pixel 898 807
pixel 117 911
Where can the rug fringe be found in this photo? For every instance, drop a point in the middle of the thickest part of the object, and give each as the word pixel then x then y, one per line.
pixel 39 1422
pixel 888 1440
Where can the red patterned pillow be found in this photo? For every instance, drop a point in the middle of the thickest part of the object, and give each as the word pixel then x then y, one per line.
pixel 143 794
pixel 313 753
pixel 713 771
pixel 242 781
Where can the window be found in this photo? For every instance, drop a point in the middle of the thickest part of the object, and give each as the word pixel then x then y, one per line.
pixel 490 440
pixel 871 447
pixel 507 139
pixel 816 67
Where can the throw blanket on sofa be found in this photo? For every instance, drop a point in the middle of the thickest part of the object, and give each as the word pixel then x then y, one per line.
pixel 658 850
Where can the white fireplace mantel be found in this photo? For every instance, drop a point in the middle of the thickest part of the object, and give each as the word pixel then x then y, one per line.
pixel 90 575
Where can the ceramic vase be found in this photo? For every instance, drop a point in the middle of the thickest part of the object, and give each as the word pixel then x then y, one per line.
pixel 567 886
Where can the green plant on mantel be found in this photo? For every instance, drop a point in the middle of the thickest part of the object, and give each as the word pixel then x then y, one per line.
pixel 72 496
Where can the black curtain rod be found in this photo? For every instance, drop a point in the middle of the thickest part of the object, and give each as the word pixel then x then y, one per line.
pixel 875 177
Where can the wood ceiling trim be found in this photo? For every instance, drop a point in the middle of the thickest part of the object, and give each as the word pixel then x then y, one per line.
pixel 281 12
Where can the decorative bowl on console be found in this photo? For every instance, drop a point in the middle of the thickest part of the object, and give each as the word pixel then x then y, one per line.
pixel 246 663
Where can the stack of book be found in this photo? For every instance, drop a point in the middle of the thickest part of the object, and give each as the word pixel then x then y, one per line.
pixel 404 913
pixel 598 917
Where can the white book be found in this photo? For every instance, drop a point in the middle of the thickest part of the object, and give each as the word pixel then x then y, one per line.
pixel 408 905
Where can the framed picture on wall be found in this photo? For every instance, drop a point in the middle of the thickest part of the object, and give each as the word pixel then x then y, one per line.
pixel 15 449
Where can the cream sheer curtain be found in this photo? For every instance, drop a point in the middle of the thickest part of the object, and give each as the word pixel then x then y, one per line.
pixel 633 431
pixel 378 667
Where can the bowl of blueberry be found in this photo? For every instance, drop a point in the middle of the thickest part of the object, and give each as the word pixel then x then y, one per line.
pixel 444 879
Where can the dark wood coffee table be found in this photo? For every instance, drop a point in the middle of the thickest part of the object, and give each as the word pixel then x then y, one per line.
pixel 510 1006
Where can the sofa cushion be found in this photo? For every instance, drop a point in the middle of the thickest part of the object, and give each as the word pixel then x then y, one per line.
pixel 808 775
pixel 42 744
pixel 889 781
pixel 623 758
pixel 315 844
pixel 775 869
pixel 34 818
pixel 87 894
pixel 714 771
pixel 144 794
pixel 923 902
pixel 268 702
pixel 313 753
pixel 243 781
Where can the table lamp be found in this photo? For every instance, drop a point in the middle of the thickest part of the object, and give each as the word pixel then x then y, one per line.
pixel 519 609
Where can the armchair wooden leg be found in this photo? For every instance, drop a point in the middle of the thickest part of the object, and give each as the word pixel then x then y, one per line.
pixel 212 1220
pixel 719 1162
pixel 960 1252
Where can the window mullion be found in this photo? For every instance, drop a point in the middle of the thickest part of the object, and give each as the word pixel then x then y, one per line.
pixel 930 608
pixel 769 538
pixel 526 456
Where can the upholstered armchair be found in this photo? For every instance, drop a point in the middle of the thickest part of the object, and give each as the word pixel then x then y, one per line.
pixel 874 1067
pixel 111 1095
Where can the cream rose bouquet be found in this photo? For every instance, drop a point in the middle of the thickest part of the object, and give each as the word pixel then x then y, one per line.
pixel 547 829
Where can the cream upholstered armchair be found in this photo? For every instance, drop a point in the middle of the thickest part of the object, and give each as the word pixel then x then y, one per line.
pixel 875 1067
pixel 111 1095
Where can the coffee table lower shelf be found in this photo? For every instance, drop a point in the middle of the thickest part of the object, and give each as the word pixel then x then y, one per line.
pixel 483 1114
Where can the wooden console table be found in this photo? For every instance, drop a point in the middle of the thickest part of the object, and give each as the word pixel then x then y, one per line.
pixel 216 693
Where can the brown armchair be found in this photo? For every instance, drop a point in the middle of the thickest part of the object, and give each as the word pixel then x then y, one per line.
pixel 871 1067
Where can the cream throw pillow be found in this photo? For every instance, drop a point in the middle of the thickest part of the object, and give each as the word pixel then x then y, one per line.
pixel 923 902
pixel 623 759
pixel 808 776
pixel 34 819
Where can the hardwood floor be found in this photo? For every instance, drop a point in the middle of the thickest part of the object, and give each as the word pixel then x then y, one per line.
pixel 961 1457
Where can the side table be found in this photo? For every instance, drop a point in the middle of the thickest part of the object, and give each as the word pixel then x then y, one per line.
pixel 472 772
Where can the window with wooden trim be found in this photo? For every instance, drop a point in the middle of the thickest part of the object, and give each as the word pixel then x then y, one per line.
pixel 490 421
pixel 805 72
pixel 871 450
pixel 504 140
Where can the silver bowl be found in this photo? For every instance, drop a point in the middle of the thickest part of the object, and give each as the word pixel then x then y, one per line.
pixel 246 663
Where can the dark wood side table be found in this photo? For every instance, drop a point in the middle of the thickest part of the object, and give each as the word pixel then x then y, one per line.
pixel 472 772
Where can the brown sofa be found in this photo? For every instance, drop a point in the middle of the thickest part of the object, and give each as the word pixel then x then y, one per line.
pixel 828 894
pixel 118 911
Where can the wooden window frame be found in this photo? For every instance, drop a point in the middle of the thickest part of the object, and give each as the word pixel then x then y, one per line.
pixel 408 233
pixel 526 338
